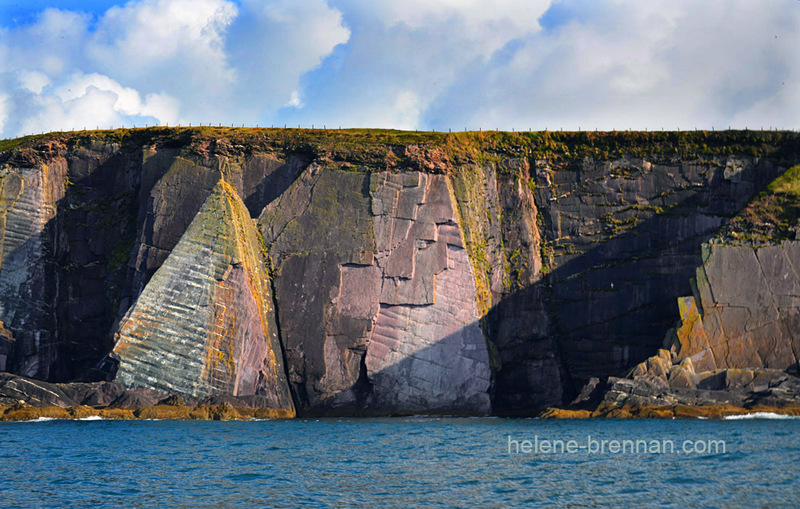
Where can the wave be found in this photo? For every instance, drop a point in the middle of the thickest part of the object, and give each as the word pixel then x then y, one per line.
pixel 760 415
pixel 40 419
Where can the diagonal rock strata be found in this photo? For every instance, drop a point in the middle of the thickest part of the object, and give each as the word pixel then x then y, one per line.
pixel 204 324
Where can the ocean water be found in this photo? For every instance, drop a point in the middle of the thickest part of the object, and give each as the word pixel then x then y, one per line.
pixel 401 462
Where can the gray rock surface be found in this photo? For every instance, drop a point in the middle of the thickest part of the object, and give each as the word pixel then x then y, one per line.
pixel 621 239
pixel 747 321
pixel 427 352
pixel 205 322
pixel 29 196
pixel 516 266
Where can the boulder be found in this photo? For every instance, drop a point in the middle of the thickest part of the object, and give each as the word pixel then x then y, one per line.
pixel 681 376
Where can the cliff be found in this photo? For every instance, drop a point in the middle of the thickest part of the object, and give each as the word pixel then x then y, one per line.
pixel 381 272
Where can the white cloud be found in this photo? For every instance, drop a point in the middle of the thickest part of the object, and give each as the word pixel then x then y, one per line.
pixel 294 100
pixel 148 33
pixel 407 64
pixel 3 110
pixel 33 81
pixel 491 24
pixel 128 101
pixel 50 45
pixel 162 61
pixel 399 50
pixel 170 46
pixel 404 111
pixel 676 64
pixel 94 100
pixel 273 43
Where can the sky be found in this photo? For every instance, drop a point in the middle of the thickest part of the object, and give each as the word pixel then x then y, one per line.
pixel 404 64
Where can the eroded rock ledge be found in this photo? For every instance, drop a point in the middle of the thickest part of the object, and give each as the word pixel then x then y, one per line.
pixel 661 388
pixel 27 399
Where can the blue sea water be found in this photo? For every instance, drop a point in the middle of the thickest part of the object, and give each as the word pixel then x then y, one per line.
pixel 398 462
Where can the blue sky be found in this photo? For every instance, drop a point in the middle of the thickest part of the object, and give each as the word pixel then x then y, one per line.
pixel 410 64
pixel 20 12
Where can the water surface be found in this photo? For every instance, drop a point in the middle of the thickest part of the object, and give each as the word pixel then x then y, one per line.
pixel 398 462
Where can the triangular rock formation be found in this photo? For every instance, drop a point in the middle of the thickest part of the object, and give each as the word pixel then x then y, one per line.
pixel 204 325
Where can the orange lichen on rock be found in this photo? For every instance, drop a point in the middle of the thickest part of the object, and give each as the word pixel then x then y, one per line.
pixel 561 413
pixel 28 413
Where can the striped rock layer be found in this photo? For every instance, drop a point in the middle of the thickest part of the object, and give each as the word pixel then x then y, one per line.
pixel 204 324
pixel 27 205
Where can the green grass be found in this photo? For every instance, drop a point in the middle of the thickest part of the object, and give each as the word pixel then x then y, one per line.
pixel 773 214
pixel 787 184
pixel 383 148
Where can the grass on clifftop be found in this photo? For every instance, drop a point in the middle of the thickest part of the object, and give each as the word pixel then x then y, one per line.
pixel 773 214
pixel 435 151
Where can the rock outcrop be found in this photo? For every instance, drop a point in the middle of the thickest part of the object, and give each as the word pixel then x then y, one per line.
pixel 750 320
pixel 664 386
pixel 738 388
pixel 28 399
pixel 30 186
pixel 205 323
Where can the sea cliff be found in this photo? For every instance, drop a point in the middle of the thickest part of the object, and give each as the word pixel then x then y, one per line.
pixel 369 272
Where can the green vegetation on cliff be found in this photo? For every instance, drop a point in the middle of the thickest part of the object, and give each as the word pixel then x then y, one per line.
pixel 773 215
pixel 435 151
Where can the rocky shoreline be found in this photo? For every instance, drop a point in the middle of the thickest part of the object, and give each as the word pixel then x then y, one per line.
pixel 659 388
pixel 668 412
pixel 24 399
pixel 224 412
pixel 645 394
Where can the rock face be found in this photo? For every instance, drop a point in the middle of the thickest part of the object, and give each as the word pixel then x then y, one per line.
pixel 6 346
pixel 86 221
pixel 405 272
pixel 751 320
pixel 427 350
pixel 621 239
pixel 28 195
pixel 379 314
pixel 205 323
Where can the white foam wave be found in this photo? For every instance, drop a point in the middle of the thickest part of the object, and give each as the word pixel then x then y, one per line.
pixel 40 419
pixel 760 415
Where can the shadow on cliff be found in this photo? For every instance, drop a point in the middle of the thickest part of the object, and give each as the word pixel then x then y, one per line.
pixel 595 314
pixel 85 276
pixel 419 384
pixel 600 312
